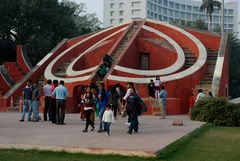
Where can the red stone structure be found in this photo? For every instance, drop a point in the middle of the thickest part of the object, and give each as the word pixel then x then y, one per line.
pixel 184 59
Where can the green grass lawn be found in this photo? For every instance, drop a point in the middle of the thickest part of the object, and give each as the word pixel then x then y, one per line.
pixel 209 143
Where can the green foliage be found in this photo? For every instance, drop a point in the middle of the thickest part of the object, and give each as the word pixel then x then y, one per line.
pixel 199 24
pixel 210 5
pixel 41 24
pixel 234 66
pixel 218 111
pixel 217 29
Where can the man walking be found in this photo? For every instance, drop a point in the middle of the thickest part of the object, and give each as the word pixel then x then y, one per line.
pixel 61 93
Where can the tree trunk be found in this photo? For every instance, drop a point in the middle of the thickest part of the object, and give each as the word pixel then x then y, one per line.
pixel 209 23
pixel 222 20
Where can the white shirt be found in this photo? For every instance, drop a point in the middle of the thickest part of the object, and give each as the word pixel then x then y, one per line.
pixel 128 94
pixel 108 116
pixel 47 90
pixel 157 83
pixel 200 96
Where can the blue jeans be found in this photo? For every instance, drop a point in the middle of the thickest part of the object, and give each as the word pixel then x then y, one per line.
pixel 35 105
pixel 107 127
pixel 100 117
pixel 27 107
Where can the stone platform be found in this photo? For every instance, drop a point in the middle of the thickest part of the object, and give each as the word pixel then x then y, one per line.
pixel 154 134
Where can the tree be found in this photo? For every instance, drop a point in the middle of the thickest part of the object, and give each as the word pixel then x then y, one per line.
pixel 199 24
pixel 209 6
pixel 41 24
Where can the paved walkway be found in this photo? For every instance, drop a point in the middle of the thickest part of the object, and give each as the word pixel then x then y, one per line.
pixel 154 134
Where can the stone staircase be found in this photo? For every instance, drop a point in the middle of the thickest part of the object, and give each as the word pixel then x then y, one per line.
pixel 190 58
pixel 124 41
pixel 61 70
pixel 206 83
pixel 15 105
pixel 121 46
pixel 41 81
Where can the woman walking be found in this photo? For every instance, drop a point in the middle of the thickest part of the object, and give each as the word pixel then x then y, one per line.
pixel 103 96
pixel 88 101
pixel 135 107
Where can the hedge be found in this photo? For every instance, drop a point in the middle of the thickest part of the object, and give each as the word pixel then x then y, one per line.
pixel 218 111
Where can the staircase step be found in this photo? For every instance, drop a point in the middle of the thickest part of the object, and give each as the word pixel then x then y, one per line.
pixel 13 109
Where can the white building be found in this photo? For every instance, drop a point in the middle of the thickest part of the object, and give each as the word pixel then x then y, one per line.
pixel 118 11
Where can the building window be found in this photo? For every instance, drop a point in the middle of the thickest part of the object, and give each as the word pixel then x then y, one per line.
pixel 136 4
pixel 160 17
pixel 111 13
pixel 155 16
pixel 216 18
pixel 230 25
pixel 195 17
pixel 230 19
pixel 121 5
pixel 159 9
pixel 136 12
pixel 151 6
pixel 155 8
pixel 171 4
pixel 159 1
pixel 202 17
pixel 176 14
pixel 183 7
pixel 112 21
pixel 121 13
pixel 188 15
pixel 216 25
pixel 164 11
pixel 230 11
pixel 216 11
pixel 182 14
pixel 165 18
pixel 170 12
pixel 120 20
pixel 177 5
pixel 189 8
pixel 225 11
pixel 195 9
pixel 165 2
pixel 112 5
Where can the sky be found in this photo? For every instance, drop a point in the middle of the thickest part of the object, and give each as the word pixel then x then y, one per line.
pixel 96 6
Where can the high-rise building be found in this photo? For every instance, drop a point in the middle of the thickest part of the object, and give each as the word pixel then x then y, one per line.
pixel 187 11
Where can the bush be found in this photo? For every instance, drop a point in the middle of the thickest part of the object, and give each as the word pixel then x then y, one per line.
pixel 218 111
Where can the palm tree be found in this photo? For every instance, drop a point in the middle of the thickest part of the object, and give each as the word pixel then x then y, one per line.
pixel 209 6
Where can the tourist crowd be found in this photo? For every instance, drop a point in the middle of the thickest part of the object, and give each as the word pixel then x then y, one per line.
pixel 95 100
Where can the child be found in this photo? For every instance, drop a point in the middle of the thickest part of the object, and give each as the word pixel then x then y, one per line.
pixel 107 119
